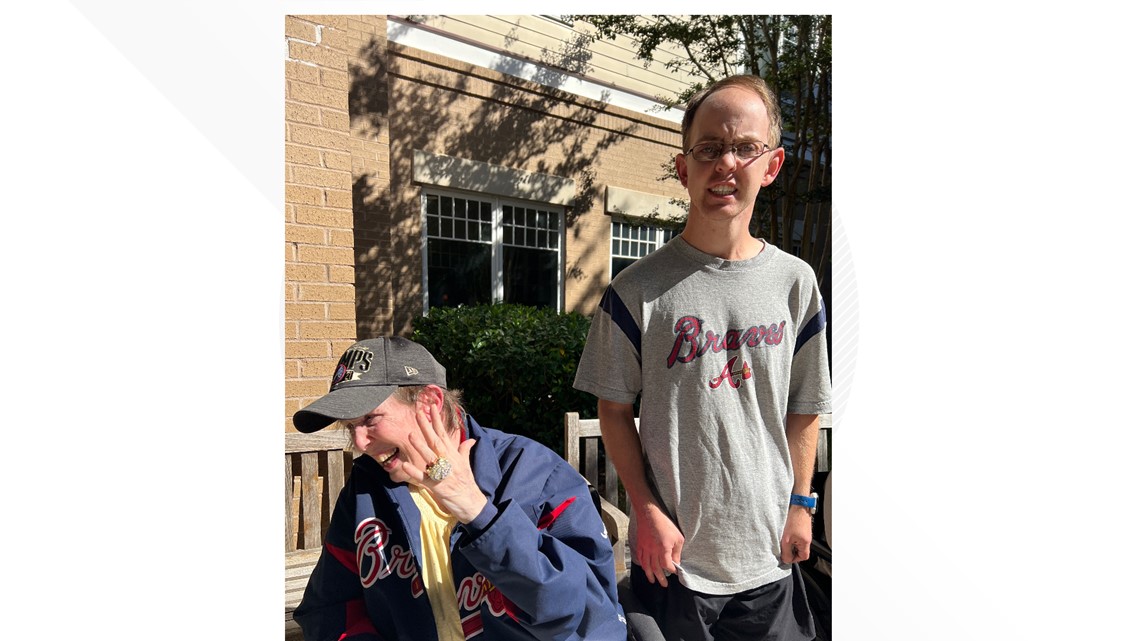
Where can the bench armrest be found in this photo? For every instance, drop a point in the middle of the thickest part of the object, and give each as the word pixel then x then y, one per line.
pixel 617 526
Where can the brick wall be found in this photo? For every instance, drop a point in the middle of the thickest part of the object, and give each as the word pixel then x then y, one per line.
pixel 371 179
pixel 320 311
pixel 357 108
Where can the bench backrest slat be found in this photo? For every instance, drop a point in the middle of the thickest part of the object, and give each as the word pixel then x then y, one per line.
pixel 315 469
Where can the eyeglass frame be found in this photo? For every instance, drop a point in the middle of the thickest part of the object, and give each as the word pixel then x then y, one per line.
pixel 733 146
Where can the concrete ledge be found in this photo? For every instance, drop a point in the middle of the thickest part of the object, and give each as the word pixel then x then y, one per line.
pixel 471 175
pixel 636 204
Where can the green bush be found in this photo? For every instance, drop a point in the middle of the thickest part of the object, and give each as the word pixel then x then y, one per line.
pixel 514 363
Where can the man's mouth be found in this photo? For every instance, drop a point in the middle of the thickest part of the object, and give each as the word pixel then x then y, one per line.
pixel 385 458
pixel 723 190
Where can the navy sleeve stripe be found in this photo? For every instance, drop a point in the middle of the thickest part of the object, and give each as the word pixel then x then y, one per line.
pixel 613 305
pixel 812 327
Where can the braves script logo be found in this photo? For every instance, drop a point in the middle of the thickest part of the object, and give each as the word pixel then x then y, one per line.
pixel 371 537
pixel 693 342
pixel 731 375
pixel 476 589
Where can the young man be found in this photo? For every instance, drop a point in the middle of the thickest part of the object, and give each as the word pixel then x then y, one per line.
pixel 722 336
pixel 446 529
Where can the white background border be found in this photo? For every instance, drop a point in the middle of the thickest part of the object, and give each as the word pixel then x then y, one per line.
pixel 987 441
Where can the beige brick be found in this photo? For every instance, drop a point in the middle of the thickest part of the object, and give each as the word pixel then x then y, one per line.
pixel 303 155
pixel 292 331
pixel 303 195
pixel 292 369
pixel 309 349
pixel 336 160
pixel 332 21
pixel 325 255
pixel 340 199
pixel 342 274
pixel 316 95
pixel 292 406
pixel 297 28
pixel 297 112
pixel 342 293
pixel 321 177
pixel 342 311
pixel 305 234
pixel 341 238
pixel 308 273
pixel 327 329
pixel 317 137
pixel 334 119
pixel 334 79
pixel 308 389
pixel 306 312
pixel 319 368
pixel 336 38
pixel 302 71
pixel 324 216
pixel 318 54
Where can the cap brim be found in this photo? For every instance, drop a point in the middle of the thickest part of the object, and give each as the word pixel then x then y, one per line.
pixel 344 403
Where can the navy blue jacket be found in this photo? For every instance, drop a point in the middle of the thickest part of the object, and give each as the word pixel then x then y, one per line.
pixel 536 564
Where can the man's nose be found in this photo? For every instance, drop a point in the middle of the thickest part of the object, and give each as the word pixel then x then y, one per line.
pixel 360 438
pixel 727 159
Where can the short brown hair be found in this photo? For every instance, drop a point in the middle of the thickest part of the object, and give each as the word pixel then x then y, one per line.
pixel 752 83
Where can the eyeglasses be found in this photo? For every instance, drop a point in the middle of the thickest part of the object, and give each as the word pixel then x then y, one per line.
pixel 710 151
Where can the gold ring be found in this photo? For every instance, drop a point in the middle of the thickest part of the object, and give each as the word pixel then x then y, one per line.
pixel 439 470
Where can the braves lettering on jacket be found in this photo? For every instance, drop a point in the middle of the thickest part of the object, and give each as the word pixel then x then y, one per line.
pixel 541 568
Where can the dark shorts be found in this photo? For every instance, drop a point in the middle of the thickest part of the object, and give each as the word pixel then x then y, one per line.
pixel 774 612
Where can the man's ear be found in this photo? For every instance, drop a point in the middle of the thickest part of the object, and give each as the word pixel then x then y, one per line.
pixel 682 170
pixel 428 396
pixel 773 169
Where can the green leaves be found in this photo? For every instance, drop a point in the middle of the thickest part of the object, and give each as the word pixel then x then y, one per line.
pixel 514 363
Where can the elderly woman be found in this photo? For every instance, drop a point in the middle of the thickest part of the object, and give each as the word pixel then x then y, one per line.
pixel 447 529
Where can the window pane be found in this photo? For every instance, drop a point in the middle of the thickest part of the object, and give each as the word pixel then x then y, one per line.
pixel 459 273
pixel 445 206
pixel 433 205
pixel 530 276
pixel 618 264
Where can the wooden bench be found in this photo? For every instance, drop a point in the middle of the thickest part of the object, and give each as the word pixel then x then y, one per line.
pixel 583 449
pixel 316 466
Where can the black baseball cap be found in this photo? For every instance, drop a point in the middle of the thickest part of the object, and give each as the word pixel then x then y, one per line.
pixel 366 375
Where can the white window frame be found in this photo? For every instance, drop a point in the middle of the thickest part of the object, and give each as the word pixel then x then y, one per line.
pixel 659 235
pixel 497 244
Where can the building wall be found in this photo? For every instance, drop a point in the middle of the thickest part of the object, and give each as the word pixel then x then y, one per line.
pixel 359 107
pixel 568 47
pixel 320 310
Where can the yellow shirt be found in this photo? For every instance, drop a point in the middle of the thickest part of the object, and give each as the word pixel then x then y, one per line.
pixel 435 536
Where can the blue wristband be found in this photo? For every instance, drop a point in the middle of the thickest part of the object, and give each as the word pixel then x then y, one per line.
pixel 805 501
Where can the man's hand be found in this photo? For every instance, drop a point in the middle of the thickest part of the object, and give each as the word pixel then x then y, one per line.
pixel 795 544
pixel 658 546
pixel 457 492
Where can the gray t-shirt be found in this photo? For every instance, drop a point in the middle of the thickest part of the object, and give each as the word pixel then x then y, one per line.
pixel 720 352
